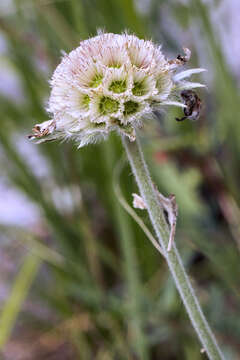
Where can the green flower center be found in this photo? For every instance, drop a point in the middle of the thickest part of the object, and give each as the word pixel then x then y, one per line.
pixel 118 86
pixel 161 81
pixel 114 64
pixel 108 105
pixel 139 88
pixel 96 81
pixel 85 101
pixel 130 107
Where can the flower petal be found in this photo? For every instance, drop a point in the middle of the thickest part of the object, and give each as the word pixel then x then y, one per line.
pixel 187 73
pixel 173 103
pixel 187 85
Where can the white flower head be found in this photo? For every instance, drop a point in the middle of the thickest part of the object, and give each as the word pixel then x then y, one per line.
pixel 110 82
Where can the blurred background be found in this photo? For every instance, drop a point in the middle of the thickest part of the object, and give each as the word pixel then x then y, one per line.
pixel 79 279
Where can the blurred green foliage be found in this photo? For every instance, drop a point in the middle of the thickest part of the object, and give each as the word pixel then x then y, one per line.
pixel 106 289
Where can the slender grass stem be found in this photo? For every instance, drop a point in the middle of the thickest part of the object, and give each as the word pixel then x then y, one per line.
pixel 173 258
pixel 129 209
pixel 131 266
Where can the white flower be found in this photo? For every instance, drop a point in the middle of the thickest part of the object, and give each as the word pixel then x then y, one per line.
pixel 110 82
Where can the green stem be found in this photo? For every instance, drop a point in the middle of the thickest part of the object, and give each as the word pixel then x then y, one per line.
pixel 173 259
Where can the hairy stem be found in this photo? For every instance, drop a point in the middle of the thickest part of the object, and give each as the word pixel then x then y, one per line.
pixel 173 259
